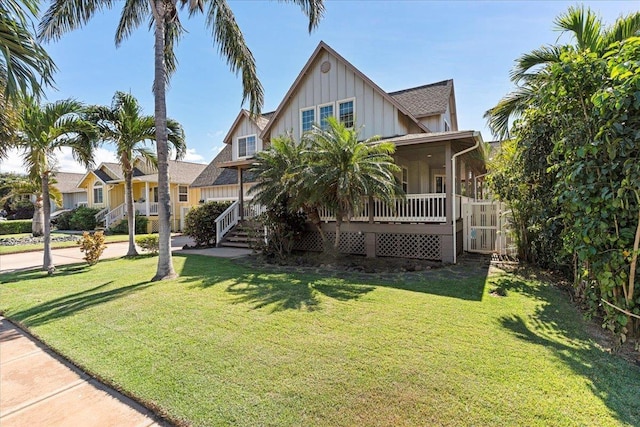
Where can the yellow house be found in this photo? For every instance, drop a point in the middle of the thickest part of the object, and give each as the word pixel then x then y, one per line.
pixel 105 190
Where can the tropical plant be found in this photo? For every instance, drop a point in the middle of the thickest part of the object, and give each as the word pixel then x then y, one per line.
pixel 589 35
pixel 92 245
pixel 29 187
pixel 124 125
pixel 63 16
pixel 345 170
pixel 200 222
pixel 42 132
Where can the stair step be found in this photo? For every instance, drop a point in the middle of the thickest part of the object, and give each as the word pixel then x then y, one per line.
pixel 235 245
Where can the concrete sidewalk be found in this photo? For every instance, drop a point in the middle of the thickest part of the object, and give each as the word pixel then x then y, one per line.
pixel 30 260
pixel 41 389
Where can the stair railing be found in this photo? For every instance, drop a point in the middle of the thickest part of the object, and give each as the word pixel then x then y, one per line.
pixel 226 221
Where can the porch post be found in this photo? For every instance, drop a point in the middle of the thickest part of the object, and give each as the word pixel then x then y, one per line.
pixel 240 195
pixel 371 206
pixel 448 181
pixel 146 198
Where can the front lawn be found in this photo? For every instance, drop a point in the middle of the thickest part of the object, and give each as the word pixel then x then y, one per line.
pixel 4 250
pixel 228 345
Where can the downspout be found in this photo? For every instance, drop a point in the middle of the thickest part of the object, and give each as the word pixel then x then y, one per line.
pixel 478 138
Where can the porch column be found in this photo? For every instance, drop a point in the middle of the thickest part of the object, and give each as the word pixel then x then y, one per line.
pixel 240 195
pixel 448 181
pixel 146 197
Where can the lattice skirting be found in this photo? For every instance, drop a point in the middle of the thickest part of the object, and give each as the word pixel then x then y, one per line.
pixel 421 246
pixel 350 242
pixel 398 245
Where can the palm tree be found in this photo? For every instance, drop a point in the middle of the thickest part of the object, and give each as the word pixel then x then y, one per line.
pixel 63 16
pixel 343 170
pixel 29 187
pixel 24 64
pixel 124 125
pixel 589 34
pixel 42 131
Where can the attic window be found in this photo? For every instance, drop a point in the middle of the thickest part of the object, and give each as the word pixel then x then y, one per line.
pixel 346 113
pixel 307 117
pixel 247 146
pixel 326 111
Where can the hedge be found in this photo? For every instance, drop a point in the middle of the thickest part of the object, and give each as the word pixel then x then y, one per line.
pixel 15 226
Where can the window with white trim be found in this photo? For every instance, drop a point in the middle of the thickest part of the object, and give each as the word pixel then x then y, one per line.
pixel 446 126
pixel 307 118
pixel 405 179
pixel 154 194
pixel 325 111
pixel 98 189
pixel 346 112
pixel 247 146
pixel 183 193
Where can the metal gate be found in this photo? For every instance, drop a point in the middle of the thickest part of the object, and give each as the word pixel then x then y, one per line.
pixel 486 228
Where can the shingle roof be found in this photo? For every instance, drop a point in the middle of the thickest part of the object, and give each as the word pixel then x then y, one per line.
pixel 104 177
pixel 179 172
pixel 67 182
pixel 213 175
pixel 425 100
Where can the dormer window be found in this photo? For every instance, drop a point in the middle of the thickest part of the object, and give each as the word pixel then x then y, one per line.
pixel 247 146
pixel 346 112
pixel 307 118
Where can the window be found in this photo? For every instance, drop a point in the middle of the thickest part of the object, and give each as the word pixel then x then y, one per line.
pixel 183 193
pixel 154 194
pixel 325 111
pixel 439 184
pixel 405 179
pixel 247 146
pixel 446 126
pixel 307 117
pixel 345 113
pixel 97 193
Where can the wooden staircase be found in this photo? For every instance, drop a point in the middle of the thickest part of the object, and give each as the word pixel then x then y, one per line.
pixel 247 234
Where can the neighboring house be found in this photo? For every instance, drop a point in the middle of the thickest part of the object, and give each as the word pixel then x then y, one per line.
pixel 105 190
pixel 72 195
pixel 430 150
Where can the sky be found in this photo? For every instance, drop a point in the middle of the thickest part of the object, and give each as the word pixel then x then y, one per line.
pixel 398 44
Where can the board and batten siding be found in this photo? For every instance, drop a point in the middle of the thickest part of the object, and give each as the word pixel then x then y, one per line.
pixel 246 127
pixel 378 115
pixel 224 192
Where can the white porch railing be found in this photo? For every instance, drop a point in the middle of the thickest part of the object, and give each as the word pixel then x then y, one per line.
pixel 100 216
pixel 414 208
pixel 115 214
pixel 226 221
pixel 141 208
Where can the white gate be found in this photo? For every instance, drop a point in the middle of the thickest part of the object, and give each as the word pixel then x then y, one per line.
pixel 486 228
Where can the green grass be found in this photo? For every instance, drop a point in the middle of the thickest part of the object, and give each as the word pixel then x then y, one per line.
pixel 4 250
pixel 228 345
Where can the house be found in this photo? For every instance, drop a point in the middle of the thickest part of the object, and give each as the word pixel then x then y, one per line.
pixel 105 190
pixel 72 195
pixel 437 160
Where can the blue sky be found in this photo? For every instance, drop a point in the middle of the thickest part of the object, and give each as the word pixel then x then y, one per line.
pixel 398 44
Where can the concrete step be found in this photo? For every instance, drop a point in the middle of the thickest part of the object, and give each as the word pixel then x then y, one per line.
pixel 235 245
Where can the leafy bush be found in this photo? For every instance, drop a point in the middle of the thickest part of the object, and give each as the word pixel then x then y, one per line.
pixel 83 218
pixel 15 226
pixel 200 222
pixel 283 228
pixel 149 243
pixel 21 209
pixel 92 245
pixel 123 226
pixel 63 221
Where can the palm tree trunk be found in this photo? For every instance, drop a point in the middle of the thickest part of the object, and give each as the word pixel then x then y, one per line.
pixel 314 217
pixel 47 262
pixel 37 225
pixel 165 265
pixel 131 214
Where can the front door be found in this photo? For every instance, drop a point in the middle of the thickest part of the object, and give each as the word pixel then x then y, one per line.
pixel 439 184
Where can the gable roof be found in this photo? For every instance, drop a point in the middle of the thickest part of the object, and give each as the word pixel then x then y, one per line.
pixel 214 175
pixel 425 100
pixel 67 182
pixel 322 46
pixel 179 173
pixel 260 121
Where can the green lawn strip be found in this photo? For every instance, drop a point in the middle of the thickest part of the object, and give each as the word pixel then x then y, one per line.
pixel 5 250
pixel 224 344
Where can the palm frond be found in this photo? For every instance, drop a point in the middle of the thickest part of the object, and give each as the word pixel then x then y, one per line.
pixel 623 28
pixel 584 25
pixel 67 15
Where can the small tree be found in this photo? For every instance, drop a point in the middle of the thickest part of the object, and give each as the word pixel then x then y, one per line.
pixel 92 245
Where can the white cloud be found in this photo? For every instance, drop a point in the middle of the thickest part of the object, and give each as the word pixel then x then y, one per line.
pixel 192 156
pixel 64 161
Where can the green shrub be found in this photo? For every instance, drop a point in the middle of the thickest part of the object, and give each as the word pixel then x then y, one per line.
pixel 200 222
pixel 149 243
pixel 63 221
pixel 83 218
pixel 283 229
pixel 15 226
pixel 92 245
pixel 123 226
pixel 22 209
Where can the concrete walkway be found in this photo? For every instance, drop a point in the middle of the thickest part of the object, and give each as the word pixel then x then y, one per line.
pixel 39 388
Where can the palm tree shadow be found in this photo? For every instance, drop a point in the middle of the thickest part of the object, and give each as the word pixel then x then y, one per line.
pixel 37 274
pixel 71 304
pixel 611 378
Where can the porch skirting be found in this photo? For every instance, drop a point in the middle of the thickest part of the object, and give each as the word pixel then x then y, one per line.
pixel 421 241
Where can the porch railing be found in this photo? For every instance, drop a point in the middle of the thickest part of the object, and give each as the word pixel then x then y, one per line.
pixel 414 208
pixel 141 208
pixel 115 214
pixel 226 221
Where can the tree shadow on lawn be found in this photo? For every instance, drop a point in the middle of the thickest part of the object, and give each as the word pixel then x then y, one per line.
pixel 281 290
pixel 38 274
pixel 71 304
pixel 558 326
